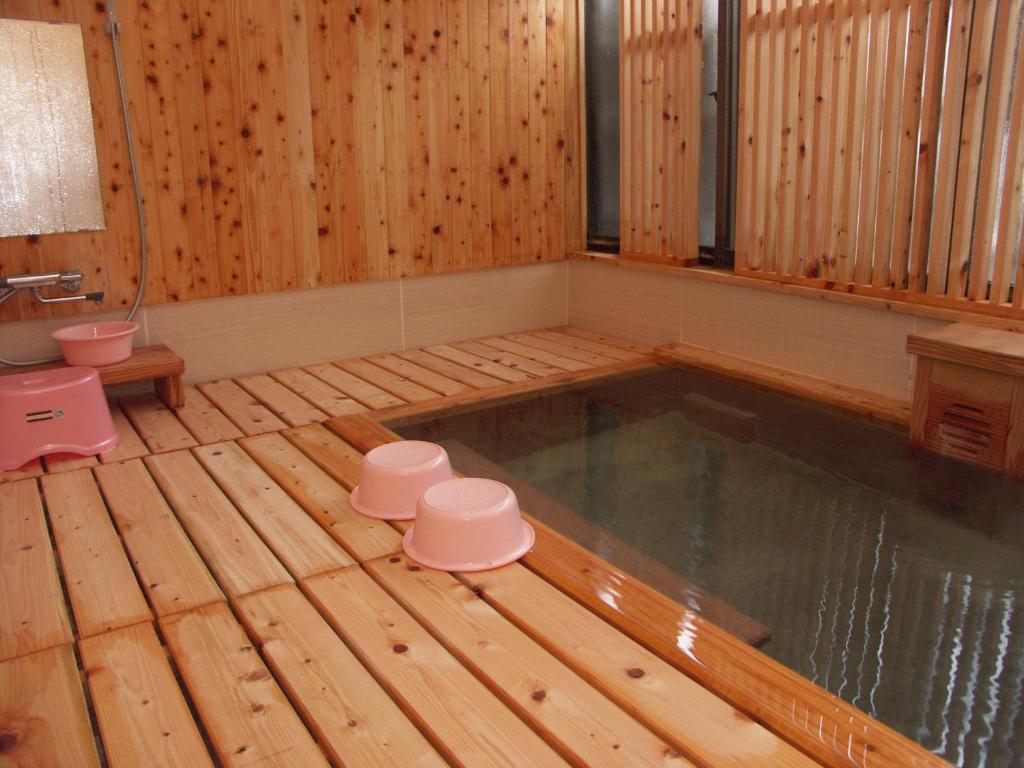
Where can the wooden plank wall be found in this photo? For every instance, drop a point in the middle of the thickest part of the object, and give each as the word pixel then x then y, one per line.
pixel 659 110
pixel 294 143
pixel 872 138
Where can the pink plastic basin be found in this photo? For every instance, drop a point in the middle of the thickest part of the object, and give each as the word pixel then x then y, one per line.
pixel 394 476
pixel 468 524
pixel 61 410
pixel 96 344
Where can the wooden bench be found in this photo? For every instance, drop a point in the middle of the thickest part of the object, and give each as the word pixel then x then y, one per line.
pixel 157 363
pixel 969 395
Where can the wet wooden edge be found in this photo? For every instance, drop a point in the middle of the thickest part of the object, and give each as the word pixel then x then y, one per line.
pixel 476 399
pixel 807 716
pixel 860 401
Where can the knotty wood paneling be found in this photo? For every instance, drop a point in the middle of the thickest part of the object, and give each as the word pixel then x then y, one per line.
pixel 287 144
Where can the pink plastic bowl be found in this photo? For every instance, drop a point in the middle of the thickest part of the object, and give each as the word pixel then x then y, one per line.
pixel 394 476
pixel 95 344
pixel 468 524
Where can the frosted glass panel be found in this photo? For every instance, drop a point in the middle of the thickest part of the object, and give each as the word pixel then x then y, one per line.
pixel 49 180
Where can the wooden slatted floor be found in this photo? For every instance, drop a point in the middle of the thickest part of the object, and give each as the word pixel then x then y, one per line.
pixel 205 595
pixel 229 409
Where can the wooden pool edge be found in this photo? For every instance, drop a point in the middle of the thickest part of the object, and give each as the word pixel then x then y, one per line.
pixel 860 401
pixel 807 716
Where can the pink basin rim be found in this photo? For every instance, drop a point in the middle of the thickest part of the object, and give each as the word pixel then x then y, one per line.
pixel 529 537
pixel 95 331
pixel 377 514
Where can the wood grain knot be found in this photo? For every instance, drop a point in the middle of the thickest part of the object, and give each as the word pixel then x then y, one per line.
pixel 400 648
pixel 635 672
pixel 8 741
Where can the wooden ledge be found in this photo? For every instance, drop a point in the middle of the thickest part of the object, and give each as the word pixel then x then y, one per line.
pixel 849 398
pixel 993 350
pixel 158 363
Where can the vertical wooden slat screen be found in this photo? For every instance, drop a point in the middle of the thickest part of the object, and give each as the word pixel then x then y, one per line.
pixel 660 129
pixel 880 148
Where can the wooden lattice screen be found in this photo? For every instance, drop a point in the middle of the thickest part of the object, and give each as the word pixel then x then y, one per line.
pixel 881 149
pixel 660 129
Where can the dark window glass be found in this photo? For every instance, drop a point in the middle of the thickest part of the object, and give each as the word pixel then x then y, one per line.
pixel 718 124
pixel 601 61
pixel 719 87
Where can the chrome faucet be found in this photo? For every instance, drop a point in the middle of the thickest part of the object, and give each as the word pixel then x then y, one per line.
pixel 70 281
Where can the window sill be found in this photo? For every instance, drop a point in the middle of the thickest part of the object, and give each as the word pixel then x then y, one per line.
pixel 727 277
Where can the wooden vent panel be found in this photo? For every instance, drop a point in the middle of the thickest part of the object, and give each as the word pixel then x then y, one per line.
pixel 969 395
pixel 967 427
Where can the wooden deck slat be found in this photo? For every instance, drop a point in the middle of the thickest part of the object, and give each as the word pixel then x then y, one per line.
pixel 142 715
pixel 581 723
pixel 156 423
pixel 562 350
pixel 247 717
pixel 242 408
pixel 674 706
pixel 588 345
pixel 130 446
pixel 238 558
pixel 284 403
pixel 100 581
pixel 469 726
pixel 415 373
pixel 43 717
pixel 495 396
pixel 408 390
pixel 171 571
pixel 68 462
pixel 525 364
pixel 558 362
pixel 323 498
pixel 361 391
pixel 319 393
pixel 299 543
pixel 204 420
pixel 611 341
pixel 29 470
pixel 353 719
pixel 32 611
pixel 484 364
pixel 332 454
pixel 468 376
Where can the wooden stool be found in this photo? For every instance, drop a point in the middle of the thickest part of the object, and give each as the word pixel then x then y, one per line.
pixel 157 363
pixel 969 395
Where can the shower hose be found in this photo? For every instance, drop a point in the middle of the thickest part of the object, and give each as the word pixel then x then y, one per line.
pixel 114 30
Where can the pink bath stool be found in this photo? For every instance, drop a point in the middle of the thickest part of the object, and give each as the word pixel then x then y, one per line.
pixel 60 410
